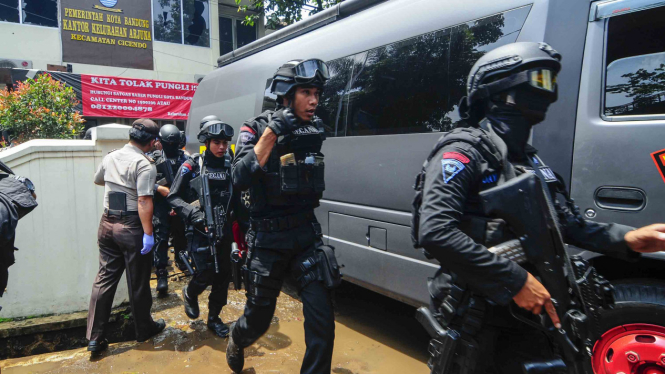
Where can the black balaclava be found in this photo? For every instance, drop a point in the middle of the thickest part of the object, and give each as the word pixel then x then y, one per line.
pixel 212 160
pixel 513 121
pixel 170 149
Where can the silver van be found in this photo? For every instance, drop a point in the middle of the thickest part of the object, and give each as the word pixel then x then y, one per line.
pixel 398 72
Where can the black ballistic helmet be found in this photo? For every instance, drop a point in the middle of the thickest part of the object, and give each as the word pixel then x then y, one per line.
pixel 313 72
pixel 183 139
pixel 169 134
pixel 206 119
pixel 215 130
pixel 527 64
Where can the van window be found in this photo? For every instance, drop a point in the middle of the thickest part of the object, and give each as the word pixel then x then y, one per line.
pixel 635 71
pixel 333 105
pixel 414 85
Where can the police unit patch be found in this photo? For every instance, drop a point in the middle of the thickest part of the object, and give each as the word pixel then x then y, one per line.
pixel 450 169
pixel 305 130
pixel 244 138
pixel 184 169
pixel 452 164
pixel 220 176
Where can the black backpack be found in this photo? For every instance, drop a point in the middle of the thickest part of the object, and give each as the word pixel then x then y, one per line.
pixel 472 135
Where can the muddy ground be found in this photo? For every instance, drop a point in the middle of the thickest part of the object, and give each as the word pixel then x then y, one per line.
pixel 374 334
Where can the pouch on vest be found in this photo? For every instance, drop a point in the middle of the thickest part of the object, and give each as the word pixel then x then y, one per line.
pixel 301 177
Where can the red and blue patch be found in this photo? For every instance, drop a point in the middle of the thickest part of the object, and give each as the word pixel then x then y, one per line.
pixel 452 164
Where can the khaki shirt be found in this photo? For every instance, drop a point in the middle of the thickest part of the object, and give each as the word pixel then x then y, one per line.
pixel 127 170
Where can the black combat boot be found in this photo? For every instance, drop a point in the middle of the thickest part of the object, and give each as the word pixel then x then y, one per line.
pixel 191 305
pixel 235 355
pixel 97 346
pixel 216 325
pixel 162 282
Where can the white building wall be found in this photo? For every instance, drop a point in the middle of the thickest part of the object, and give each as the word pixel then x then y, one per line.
pixel 58 257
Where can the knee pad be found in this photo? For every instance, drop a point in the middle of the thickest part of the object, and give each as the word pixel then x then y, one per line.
pixel 261 290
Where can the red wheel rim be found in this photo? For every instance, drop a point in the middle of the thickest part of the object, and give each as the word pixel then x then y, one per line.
pixel 630 349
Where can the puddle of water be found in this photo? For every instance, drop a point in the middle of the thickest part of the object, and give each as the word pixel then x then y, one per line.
pixel 371 337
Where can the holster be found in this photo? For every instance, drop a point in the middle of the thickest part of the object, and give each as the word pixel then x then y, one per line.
pixel 330 274
pixel 322 266
pixel 454 332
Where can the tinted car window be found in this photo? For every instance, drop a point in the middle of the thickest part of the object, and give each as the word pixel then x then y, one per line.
pixel 635 72
pixel 333 104
pixel 413 86
pixel 269 100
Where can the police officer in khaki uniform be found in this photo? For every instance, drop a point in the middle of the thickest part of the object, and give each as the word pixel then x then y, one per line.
pixel 125 235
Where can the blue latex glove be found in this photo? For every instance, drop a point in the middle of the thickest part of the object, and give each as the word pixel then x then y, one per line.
pixel 148 242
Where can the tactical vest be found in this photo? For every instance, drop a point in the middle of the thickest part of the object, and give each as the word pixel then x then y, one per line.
pixel 162 162
pixel 294 171
pixel 482 229
pixel 219 179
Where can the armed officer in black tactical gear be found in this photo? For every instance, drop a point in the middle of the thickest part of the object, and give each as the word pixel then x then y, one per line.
pixel 509 91
pixel 279 161
pixel 210 253
pixel 165 222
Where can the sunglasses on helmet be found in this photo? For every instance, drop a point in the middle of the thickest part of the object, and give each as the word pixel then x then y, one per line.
pixel 306 70
pixel 544 79
pixel 215 129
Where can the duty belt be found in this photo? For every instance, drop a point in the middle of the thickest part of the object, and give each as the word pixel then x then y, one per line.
pixel 281 223
pixel 120 213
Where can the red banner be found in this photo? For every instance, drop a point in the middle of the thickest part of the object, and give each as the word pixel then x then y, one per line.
pixel 135 98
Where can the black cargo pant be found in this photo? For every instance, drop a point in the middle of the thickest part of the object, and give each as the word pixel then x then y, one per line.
pixel 165 224
pixel 504 343
pixel 275 265
pixel 205 274
pixel 120 240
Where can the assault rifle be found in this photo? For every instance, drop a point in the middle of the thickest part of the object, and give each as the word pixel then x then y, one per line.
pixel 215 217
pixel 164 168
pixel 578 292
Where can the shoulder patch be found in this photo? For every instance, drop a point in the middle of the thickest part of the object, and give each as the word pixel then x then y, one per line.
pixel 186 168
pixel 450 168
pixel 456 156
pixel 245 136
pixel 248 129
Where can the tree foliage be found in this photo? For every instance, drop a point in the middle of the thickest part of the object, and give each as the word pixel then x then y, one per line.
pixel 41 108
pixel 646 88
pixel 282 12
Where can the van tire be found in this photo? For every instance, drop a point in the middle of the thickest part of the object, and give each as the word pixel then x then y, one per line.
pixel 639 310
pixel 637 301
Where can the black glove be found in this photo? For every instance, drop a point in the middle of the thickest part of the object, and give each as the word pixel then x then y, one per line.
pixel 197 219
pixel 283 122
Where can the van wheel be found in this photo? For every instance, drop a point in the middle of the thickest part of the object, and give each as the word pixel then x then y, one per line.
pixel 634 331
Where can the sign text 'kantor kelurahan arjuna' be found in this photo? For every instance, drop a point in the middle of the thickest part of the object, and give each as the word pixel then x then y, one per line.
pixel 110 33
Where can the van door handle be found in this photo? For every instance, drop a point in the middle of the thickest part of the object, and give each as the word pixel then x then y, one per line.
pixel 620 198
